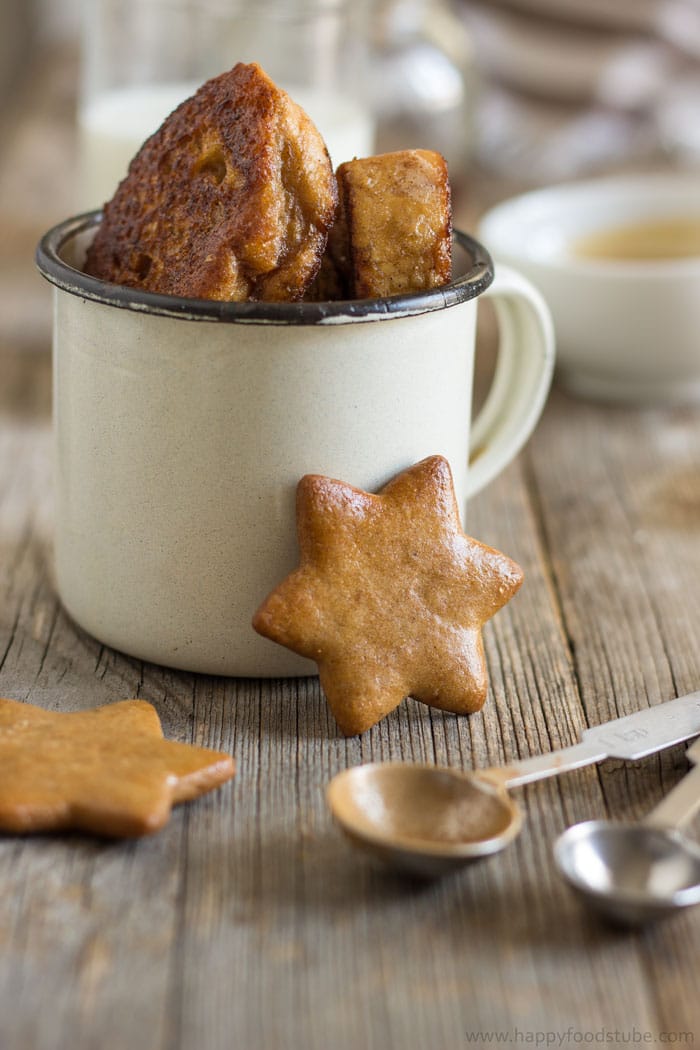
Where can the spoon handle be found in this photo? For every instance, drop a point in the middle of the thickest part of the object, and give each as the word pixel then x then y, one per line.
pixel 677 808
pixel 540 766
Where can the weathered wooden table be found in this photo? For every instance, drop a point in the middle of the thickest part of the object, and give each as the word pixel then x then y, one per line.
pixel 248 921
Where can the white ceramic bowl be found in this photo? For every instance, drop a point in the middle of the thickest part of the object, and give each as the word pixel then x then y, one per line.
pixel 626 330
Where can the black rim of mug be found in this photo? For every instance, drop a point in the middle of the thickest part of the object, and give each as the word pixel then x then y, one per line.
pixel 52 266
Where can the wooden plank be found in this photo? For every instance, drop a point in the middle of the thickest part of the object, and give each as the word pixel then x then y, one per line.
pixel 623 533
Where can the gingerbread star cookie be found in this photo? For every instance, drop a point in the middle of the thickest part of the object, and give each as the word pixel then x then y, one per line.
pixel 107 770
pixel 390 595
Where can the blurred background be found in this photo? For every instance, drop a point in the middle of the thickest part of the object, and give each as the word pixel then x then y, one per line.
pixel 515 93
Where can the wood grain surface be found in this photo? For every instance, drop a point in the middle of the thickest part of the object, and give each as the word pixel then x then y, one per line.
pixel 249 921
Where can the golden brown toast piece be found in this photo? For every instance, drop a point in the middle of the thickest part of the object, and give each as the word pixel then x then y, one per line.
pixel 394 229
pixel 231 198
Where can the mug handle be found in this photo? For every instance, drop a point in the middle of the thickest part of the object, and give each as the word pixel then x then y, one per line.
pixel 521 381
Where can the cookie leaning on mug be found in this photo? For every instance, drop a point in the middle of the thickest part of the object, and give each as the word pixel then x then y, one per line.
pixel 230 199
pixel 390 595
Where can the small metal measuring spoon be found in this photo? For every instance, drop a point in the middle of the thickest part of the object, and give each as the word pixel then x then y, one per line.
pixel 428 820
pixel 634 873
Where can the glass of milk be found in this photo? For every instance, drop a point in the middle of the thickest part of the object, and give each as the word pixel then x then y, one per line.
pixel 141 58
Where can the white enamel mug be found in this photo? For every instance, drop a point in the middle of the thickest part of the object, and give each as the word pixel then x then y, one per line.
pixel 183 426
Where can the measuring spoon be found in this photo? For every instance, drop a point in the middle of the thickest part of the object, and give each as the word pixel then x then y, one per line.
pixel 634 873
pixel 427 820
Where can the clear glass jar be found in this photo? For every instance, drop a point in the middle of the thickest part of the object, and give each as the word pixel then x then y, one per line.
pixel 424 80
pixel 141 58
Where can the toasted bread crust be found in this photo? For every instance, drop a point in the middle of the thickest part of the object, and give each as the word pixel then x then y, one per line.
pixel 393 234
pixel 232 198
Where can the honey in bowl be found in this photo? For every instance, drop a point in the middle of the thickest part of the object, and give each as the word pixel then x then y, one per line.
pixel 657 239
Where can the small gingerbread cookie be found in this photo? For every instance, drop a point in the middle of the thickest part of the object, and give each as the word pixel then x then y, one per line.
pixel 107 770
pixel 390 595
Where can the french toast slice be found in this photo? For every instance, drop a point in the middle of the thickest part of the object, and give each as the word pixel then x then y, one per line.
pixel 393 233
pixel 231 199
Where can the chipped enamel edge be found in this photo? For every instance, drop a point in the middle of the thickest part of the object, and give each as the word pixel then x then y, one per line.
pixel 52 266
